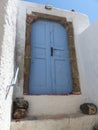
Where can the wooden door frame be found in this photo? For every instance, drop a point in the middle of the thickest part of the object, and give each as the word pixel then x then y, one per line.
pixel 71 46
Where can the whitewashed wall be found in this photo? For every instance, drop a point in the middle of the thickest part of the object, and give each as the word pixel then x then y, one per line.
pixel 8 9
pixel 45 105
pixel 88 52
pixel 80 23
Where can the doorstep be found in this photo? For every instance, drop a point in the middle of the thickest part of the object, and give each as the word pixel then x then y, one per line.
pixel 77 121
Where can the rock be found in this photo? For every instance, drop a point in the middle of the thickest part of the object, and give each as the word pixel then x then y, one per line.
pixel 19 114
pixel 88 108
pixel 95 127
pixel 20 107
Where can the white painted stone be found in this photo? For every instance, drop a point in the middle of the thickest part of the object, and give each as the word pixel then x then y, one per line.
pixel 52 105
pixel 40 105
pixel 80 21
pixel 7 45
pixel 88 58
pixel 70 122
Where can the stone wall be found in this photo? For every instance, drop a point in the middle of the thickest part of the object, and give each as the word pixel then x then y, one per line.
pixel 88 42
pixel 45 104
pixel 8 10
pixel 80 23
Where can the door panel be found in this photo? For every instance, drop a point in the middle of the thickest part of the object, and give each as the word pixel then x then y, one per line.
pixel 40 82
pixel 60 61
pixel 62 77
pixel 49 73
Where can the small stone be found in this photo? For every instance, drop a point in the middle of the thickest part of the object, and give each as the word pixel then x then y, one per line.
pixel 20 107
pixel 88 108
pixel 95 127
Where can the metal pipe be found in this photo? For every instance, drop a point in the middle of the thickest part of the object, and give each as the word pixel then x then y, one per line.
pixel 13 83
pixel 15 77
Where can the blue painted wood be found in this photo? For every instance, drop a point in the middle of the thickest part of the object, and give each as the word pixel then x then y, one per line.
pixel 49 74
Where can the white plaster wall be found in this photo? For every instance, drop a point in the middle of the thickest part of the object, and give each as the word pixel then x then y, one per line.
pixel 54 105
pixel 80 23
pixel 7 44
pixel 88 52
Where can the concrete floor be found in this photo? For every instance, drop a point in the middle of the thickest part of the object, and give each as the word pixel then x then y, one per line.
pixel 76 121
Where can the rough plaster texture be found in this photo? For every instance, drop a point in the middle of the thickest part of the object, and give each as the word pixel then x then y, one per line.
pixel 7 44
pixel 88 52
pixel 46 104
pixel 72 122
pixel 52 105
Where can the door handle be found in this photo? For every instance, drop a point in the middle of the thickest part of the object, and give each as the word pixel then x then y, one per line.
pixel 51 51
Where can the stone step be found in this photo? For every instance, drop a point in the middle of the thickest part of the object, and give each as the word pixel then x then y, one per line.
pixel 53 105
pixel 76 121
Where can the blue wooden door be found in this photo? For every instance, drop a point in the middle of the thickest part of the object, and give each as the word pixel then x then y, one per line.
pixel 50 66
